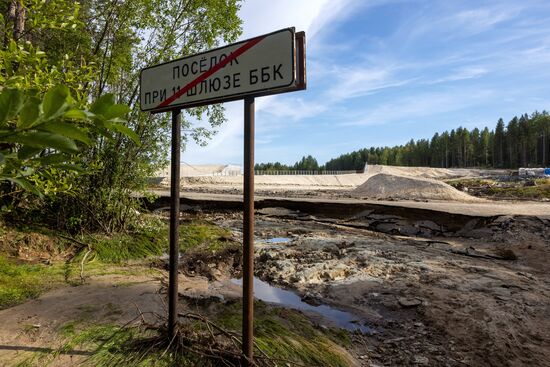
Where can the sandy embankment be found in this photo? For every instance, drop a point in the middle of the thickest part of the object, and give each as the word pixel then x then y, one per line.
pixel 387 186
pixel 379 182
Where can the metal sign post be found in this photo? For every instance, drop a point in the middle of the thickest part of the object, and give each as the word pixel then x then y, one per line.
pixel 270 64
pixel 248 231
pixel 174 223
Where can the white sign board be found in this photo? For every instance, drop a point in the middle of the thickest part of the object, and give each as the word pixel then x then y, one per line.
pixel 258 66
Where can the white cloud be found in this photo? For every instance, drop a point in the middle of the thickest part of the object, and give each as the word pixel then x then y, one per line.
pixel 462 74
pixel 264 16
pixel 260 17
pixel 413 108
pixel 410 74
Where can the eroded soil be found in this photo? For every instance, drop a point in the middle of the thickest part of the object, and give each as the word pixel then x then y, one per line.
pixel 430 292
pixel 477 296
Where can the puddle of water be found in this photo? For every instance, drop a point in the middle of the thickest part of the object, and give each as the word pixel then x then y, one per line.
pixel 278 240
pixel 268 293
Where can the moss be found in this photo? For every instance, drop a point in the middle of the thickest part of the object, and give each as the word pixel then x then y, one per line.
pixel 154 241
pixel 119 248
pixel 203 234
pixel 528 190
pixel 19 282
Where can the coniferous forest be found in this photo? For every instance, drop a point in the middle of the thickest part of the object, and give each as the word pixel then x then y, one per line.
pixel 522 142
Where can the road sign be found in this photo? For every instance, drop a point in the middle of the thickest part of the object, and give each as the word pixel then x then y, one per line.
pixel 259 66
pixel 269 64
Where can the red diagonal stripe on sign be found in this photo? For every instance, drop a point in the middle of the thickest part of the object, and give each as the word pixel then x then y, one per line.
pixel 232 56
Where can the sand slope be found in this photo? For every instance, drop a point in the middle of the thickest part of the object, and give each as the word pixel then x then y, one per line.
pixel 386 186
pixel 435 173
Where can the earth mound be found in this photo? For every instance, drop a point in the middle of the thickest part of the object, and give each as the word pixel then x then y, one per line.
pixel 388 186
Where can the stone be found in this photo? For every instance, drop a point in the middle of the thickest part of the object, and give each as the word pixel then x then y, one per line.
pixel 421 360
pixel 409 302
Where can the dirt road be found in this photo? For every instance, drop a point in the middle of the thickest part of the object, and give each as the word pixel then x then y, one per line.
pixel 483 208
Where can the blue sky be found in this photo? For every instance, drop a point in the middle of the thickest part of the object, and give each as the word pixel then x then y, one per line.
pixel 381 72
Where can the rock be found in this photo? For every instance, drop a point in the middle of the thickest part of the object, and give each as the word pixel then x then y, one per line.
pixel 409 302
pixel 390 228
pixel 363 214
pixel 429 225
pixel 421 360
pixel 469 226
pixel 312 299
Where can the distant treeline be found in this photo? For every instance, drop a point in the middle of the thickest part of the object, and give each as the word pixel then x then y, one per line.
pixel 305 164
pixel 522 142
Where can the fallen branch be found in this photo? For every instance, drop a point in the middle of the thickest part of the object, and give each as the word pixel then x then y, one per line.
pixel 82 264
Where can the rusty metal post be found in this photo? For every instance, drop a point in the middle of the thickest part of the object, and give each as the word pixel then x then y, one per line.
pixel 248 232
pixel 174 223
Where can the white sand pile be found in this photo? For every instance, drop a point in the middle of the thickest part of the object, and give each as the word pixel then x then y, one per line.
pixel 388 186
pixel 435 173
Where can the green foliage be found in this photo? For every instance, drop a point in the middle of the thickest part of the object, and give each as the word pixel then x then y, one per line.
pixel 277 166
pixel 307 163
pixel 95 49
pixel 38 135
pixel 524 142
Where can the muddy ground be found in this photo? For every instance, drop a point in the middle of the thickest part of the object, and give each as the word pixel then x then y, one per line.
pixel 432 289
pixel 474 294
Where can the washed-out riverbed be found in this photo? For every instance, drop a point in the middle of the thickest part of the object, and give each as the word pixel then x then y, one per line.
pixel 412 293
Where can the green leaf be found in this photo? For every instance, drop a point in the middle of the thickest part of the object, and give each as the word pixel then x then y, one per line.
pixel 7 63
pixel 68 130
pixel 53 158
pixel 125 130
pixel 2 158
pixel 27 152
pixel 11 101
pixel 12 46
pixel 69 167
pixel 76 114
pixel 103 103
pixel 29 113
pixel 117 111
pixel 55 102
pixel 27 172
pixel 25 185
pixel 42 139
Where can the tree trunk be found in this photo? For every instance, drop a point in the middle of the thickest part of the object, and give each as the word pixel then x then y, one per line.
pixel 17 16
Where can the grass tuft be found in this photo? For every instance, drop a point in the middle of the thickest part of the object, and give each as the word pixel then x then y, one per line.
pixel 287 334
